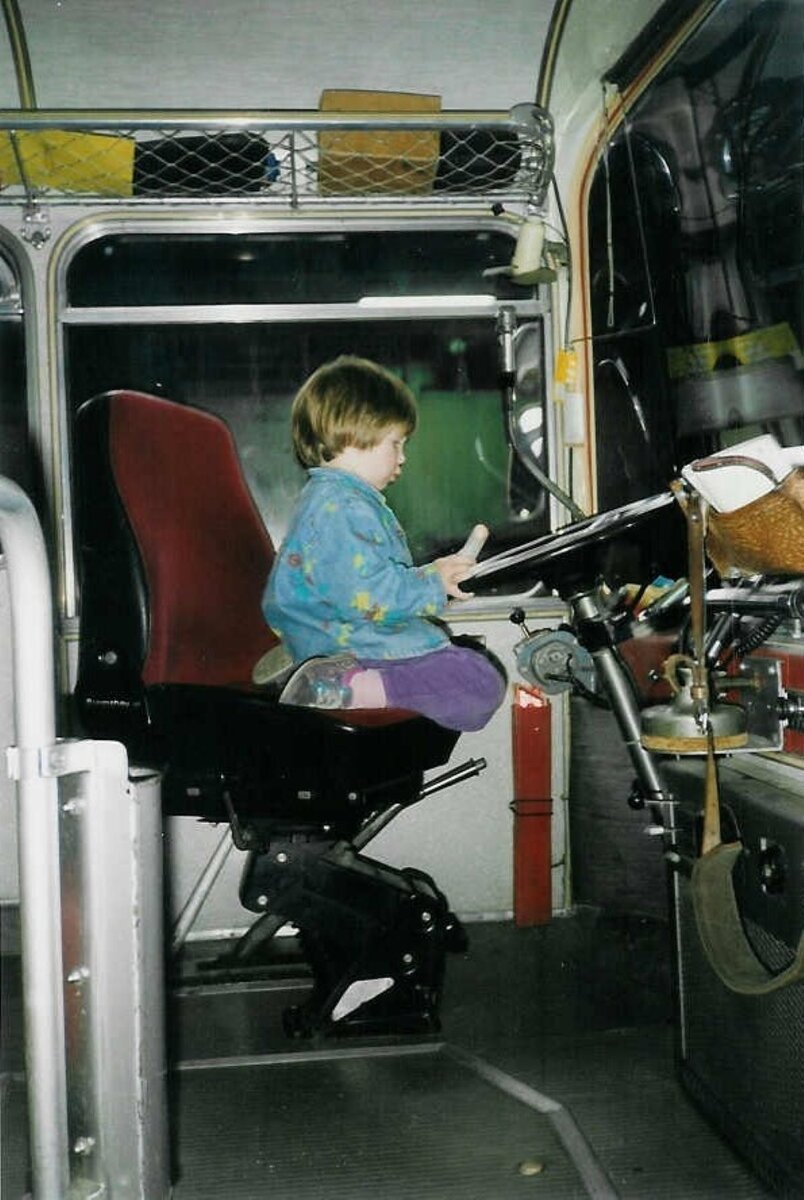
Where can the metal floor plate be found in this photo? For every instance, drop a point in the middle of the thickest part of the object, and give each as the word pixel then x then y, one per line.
pixel 367 1124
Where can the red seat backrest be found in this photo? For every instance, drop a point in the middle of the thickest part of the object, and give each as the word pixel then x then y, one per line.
pixel 204 547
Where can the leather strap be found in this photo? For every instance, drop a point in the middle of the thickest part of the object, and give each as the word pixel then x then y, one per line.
pixel 733 460
pixel 721 929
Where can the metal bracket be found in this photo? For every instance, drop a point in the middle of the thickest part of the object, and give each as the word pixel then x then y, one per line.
pixel 70 757
pixel 759 695
pixel 36 228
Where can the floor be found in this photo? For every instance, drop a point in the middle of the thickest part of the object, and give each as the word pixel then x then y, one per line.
pixel 553 1076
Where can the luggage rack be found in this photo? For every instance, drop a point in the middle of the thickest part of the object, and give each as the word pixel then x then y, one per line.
pixel 279 158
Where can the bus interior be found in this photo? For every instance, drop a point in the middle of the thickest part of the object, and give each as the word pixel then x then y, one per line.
pixel 258 950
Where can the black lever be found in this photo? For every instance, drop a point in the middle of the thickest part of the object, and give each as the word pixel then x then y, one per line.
pixel 517 617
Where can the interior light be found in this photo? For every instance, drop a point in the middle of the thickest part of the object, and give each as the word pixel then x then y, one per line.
pixel 419 302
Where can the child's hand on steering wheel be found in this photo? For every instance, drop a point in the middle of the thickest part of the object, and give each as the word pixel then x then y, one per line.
pixel 452 569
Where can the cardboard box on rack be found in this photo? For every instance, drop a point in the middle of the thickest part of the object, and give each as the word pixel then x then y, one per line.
pixel 355 162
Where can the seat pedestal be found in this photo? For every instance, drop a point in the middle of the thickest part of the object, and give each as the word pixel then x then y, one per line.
pixel 374 936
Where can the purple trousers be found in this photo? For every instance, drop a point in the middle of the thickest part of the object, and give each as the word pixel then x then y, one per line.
pixel 458 687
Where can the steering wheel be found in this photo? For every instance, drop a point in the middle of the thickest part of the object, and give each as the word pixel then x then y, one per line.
pixel 630 544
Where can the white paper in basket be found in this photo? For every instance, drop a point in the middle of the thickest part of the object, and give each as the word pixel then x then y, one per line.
pixel 733 485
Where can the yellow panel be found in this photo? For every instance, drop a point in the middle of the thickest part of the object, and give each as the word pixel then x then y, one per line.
pixel 774 341
pixel 68 161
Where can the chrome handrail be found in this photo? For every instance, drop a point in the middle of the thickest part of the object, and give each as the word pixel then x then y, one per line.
pixel 38 832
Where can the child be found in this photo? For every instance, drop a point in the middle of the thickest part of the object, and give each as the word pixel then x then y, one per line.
pixel 343 593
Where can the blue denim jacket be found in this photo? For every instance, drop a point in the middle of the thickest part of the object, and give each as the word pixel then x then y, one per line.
pixel 344 579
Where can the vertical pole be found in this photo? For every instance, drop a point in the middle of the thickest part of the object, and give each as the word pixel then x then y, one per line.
pixel 40 901
pixel 695 512
pixel 116 1063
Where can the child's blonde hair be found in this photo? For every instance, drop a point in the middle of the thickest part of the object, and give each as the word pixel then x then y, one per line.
pixel 348 402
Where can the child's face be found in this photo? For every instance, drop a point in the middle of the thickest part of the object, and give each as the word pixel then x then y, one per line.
pixel 378 465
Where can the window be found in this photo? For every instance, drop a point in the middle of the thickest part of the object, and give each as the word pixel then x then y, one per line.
pixel 16 456
pixel 697 254
pixel 234 323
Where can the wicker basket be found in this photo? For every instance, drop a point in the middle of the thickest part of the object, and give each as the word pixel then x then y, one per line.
pixel 765 536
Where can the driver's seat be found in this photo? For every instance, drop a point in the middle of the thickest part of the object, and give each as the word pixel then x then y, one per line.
pixel 173 557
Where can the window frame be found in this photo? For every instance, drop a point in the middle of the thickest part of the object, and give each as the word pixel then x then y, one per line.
pixel 530 307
